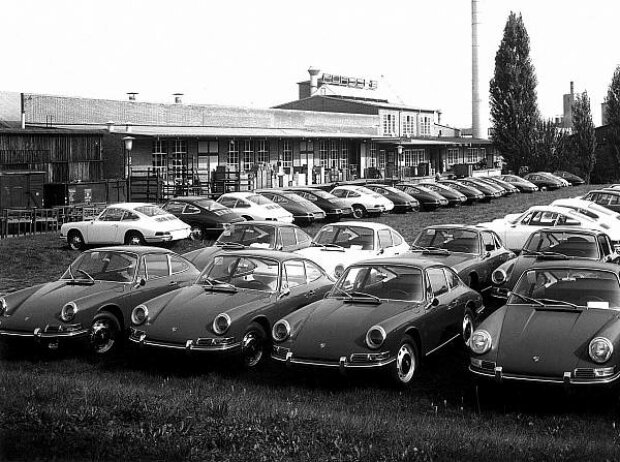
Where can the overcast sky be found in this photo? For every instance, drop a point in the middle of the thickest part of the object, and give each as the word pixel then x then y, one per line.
pixel 253 52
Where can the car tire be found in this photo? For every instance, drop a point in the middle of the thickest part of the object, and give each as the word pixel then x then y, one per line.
pixel 197 233
pixel 254 346
pixel 105 335
pixel 468 326
pixel 75 240
pixel 359 211
pixel 407 361
pixel 134 238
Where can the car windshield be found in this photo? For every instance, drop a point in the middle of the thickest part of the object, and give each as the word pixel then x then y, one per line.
pixel 211 205
pixel 260 200
pixel 103 266
pixel 569 244
pixel 249 235
pixel 383 282
pixel 452 239
pixel 298 199
pixel 573 286
pixel 242 272
pixel 348 237
pixel 151 210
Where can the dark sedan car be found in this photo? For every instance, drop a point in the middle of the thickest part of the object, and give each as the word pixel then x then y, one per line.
pixel 334 207
pixel 254 234
pixel 488 191
pixel 386 313
pixel 403 202
pixel 304 211
pixel 472 194
pixel 429 200
pixel 559 243
pixel 473 252
pixel 522 184
pixel 93 299
pixel 484 181
pixel 560 325
pixel 543 180
pixel 573 179
pixel 232 305
pixel 453 196
pixel 510 188
pixel 203 214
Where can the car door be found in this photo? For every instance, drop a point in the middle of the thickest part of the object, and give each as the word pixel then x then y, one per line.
pixel 288 239
pixel 438 318
pixel 493 255
pixel 385 243
pixel 295 283
pixel 105 228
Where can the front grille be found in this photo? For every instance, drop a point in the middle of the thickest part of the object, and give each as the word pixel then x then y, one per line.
pixel 490 365
pixel 584 373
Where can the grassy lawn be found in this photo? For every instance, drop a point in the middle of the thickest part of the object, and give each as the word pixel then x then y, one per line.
pixel 65 406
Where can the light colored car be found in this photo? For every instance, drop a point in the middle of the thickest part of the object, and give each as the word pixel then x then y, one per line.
pixel 338 245
pixel 135 223
pixel 514 229
pixel 608 219
pixel 252 206
pixel 362 200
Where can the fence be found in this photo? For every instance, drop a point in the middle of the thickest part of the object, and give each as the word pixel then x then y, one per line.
pixel 20 222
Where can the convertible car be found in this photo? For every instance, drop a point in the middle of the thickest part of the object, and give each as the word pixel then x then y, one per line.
pixel 382 313
pixel 560 325
pixel 93 299
pixel 126 223
pixel 473 252
pixel 232 305
pixel 558 243
pixel 338 245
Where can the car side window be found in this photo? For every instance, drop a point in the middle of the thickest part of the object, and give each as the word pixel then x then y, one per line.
pixel 156 266
pixel 130 216
pixel 287 235
pixel 111 214
pixel 242 204
pixel 302 237
pixel 488 242
pixel 229 202
pixel 498 242
pixel 385 238
pixel 310 197
pixel 191 210
pixel 339 193
pixel 453 279
pixel 614 199
pixel 174 207
pixel 604 244
pixel 295 273
pixel 312 271
pixel 178 264
pixel 398 240
pixel 438 281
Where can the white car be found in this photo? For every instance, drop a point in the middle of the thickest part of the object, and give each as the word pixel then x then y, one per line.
pixel 608 219
pixel 514 229
pixel 362 200
pixel 339 245
pixel 252 206
pixel 133 223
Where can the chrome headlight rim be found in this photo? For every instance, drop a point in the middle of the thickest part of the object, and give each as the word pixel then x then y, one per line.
pixel 68 312
pixel 480 342
pixel 338 270
pixel 4 306
pixel 370 343
pixel 600 341
pixel 499 276
pixel 287 330
pixel 217 328
pixel 136 318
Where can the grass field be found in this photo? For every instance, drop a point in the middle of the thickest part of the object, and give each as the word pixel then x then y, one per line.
pixel 65 406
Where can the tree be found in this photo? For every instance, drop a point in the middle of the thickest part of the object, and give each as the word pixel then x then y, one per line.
pixel 583 141
pixel 514 107
pixel 613 119
pixel 550 147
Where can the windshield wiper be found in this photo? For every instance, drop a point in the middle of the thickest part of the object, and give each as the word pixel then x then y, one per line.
pixel 343 292
pixel 216 284
pixel 364 294
pixel 334 246
pixel 528 299
pixel 428 249
pixel 558 302
pixel 87 275
pixel 230 245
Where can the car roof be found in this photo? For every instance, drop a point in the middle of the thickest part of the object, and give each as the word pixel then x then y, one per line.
pixel 570 230
pixel 458 225
pixel 411 259
pixel 138 249
pixel 267 253
pixel 576 263
pixel 131 205
pixel 363 224
pixel 239 194
pixel 191 198
pixel 277 224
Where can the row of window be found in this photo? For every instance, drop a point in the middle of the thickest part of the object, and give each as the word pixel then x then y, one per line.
pixel 410 124
pixel 471 156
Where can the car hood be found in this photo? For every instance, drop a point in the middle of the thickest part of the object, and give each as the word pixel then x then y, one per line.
pixel 189 312
pixel 539 341
pixel 330 257
pixel 334 327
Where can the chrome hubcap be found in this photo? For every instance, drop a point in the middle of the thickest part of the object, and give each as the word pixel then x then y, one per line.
pixel 405 363
pixel 134 240
pixel 102 337
pixel 252 348
pixel 196 234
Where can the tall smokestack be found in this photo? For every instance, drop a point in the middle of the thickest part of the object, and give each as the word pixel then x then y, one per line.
pixel 314 79
pixel 475 84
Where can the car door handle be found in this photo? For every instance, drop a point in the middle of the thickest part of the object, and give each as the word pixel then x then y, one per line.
pixel 173 283
pixel 310 293
pixel 453 304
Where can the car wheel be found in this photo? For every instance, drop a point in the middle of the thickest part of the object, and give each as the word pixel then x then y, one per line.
pixel 468 326
pixel 134 238
pixel 407 359
pixel 253 345
pixel 105 335
pixel 75 240
pixel 543 188
pixel 197 233
pixel 359 211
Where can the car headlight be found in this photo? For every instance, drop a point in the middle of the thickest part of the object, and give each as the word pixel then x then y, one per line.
pixel 480 342
pixel 139 315
pixel 375 337
pixel 338 270
pixel 3 306
pixel 221 323
pixel 68 311
pixel 281 330
pixel 600 349
pixel 501 274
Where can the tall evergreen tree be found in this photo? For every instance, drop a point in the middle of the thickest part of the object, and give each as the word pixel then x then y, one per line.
pixel 550 148
pixel 613 119
pixel 583 141
pixel 514 107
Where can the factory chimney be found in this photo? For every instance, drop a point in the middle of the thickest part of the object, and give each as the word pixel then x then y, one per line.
pixel 475 83
pixel 314 79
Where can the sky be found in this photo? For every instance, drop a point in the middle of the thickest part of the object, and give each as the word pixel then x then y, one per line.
pixel 253 52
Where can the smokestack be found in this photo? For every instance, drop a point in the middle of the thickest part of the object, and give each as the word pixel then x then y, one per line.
pixel 572 87
pixel 475 84
pixel 178 98
pixel 314 79
pixel 132 95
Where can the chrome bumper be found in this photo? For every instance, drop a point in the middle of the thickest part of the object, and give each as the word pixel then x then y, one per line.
pixel 568 378
pixel 39 333
pixel 189 346
pixel 343 363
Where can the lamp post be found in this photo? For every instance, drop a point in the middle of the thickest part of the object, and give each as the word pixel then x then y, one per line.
pixel 128 140
pixel 399 161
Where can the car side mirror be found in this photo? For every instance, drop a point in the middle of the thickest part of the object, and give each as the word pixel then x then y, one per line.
pixel 284 291
pixel 381 251
pixel 434 303
pixel 487 254
pixel 140 283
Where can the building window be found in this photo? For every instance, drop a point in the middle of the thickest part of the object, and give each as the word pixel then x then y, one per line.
pixel 287 153
pixel 177 162
pixel 414 157
pixel 409 125
pixel 425 126
pixel 372 155
pixel 262 151
pixel 232 159
pixel 389 124
pixel 159 158
pixel 381 159
pixel 344 155
pixel 452 157
pixel 334 154
pixel 323 153
pixel 248 155
pixel 472 155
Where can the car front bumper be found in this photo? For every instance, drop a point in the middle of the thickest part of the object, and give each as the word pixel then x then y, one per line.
pixel 286 356
pixel 190 345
